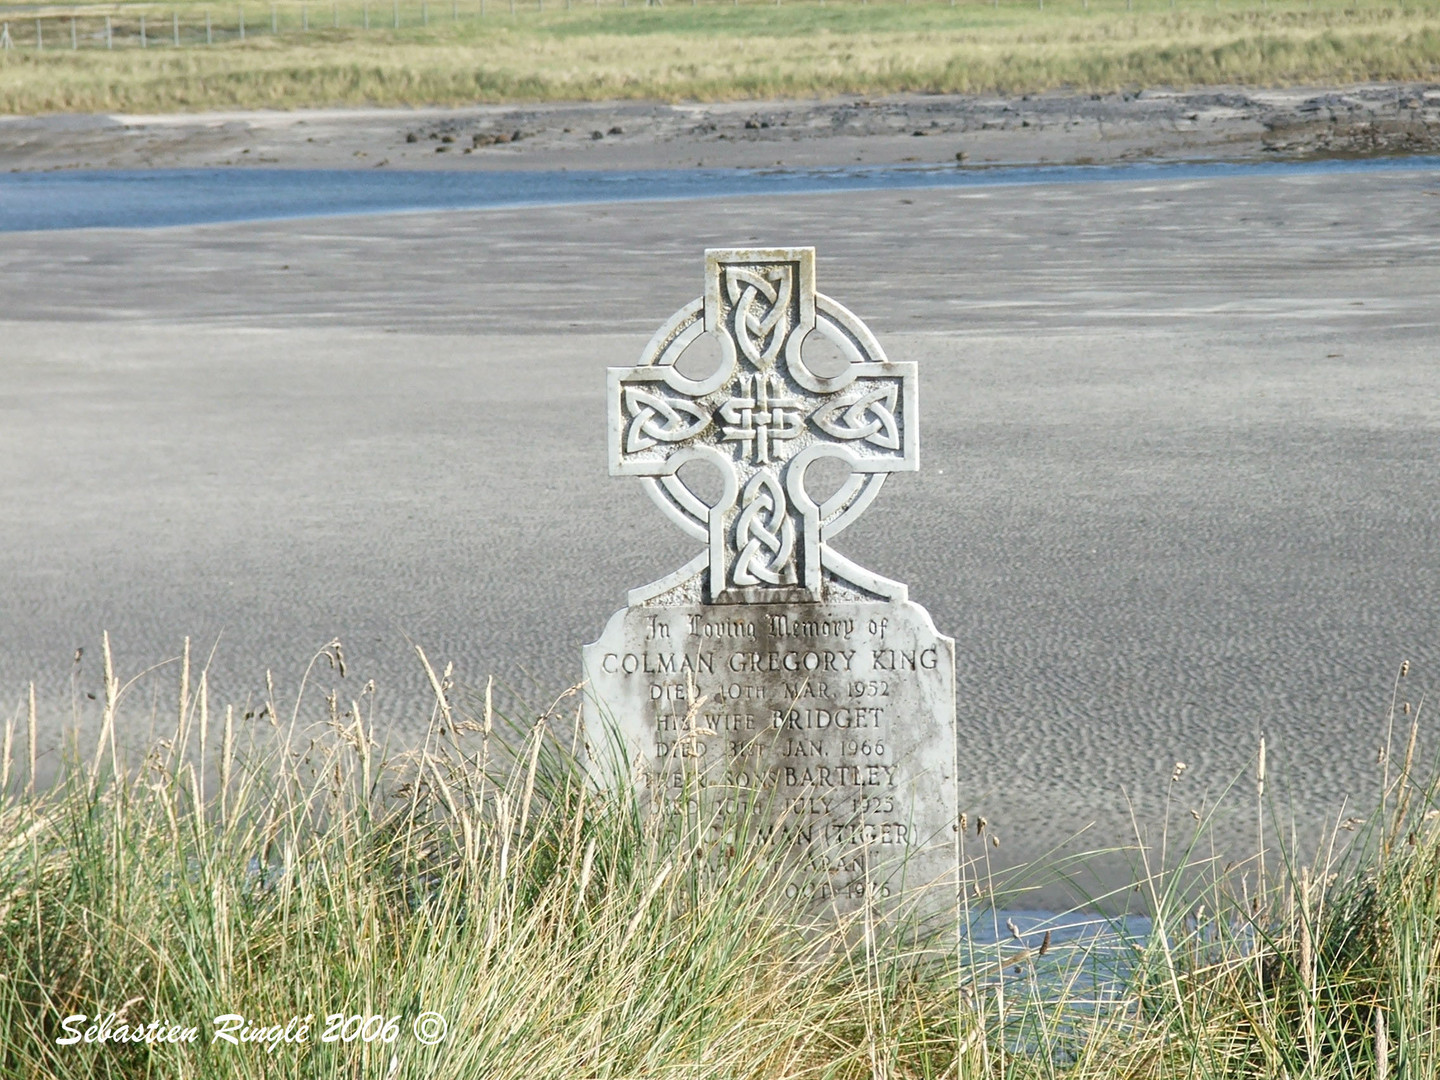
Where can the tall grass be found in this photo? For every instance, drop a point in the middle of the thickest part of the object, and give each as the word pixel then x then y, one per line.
pixel 286 864
pixel 424 52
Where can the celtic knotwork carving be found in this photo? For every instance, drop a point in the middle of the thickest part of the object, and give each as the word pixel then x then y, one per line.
pixel 761 301
pixel 872 417
pixel 764 534
pixel 655 420
pixel 762 419
pixel 761 414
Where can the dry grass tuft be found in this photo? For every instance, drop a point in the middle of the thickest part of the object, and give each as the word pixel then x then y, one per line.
pixel 281 868
pixel 712 52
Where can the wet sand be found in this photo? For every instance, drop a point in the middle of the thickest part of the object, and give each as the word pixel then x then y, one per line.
pixel 1179 445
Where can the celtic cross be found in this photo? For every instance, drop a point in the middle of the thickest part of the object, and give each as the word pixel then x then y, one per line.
pixel 762 419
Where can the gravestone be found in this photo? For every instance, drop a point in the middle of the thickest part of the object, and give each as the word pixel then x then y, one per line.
pixel 800 691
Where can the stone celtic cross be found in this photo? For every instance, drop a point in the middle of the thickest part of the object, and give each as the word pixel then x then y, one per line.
pixel 770 688
pixel 762 419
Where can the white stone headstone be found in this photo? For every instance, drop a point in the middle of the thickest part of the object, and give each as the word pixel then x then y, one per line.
pixel 770 677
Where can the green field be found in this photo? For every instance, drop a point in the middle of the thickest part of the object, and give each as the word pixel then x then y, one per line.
pixel 100 57
pixel 276 862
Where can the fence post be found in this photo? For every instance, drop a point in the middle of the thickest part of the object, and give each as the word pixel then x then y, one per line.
pixel 396 9
pixel 424 14
pixel 175 25
pixel 304 18
pixel 366 7
pixel 209 37
pixel 109 34
pixel 39 37
pixel 144 43
pixel 334 15
pixel 74 37
pixel 5 37
pixel 242 22
pixel 274 20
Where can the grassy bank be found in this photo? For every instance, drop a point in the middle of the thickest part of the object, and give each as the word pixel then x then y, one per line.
pixel 355 52
pixel 277 863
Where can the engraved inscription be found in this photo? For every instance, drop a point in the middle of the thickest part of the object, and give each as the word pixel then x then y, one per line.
pixel 795 712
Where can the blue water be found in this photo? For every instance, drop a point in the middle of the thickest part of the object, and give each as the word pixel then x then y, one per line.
pixel 153 198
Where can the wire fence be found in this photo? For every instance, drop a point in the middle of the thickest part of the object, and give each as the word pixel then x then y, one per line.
pixel 129 26
pixel 124 27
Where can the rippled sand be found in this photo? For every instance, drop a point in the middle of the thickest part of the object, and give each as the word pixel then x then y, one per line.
pixel 1179 448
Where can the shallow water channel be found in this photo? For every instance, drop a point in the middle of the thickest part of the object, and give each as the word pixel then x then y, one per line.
pixel 155 198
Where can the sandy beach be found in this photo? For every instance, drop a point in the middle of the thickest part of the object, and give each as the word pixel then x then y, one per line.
pixel 1177 436
pixel 1177 445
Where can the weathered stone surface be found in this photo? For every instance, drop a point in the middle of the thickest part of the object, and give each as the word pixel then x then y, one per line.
pixel 807 694
pixel 835 720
